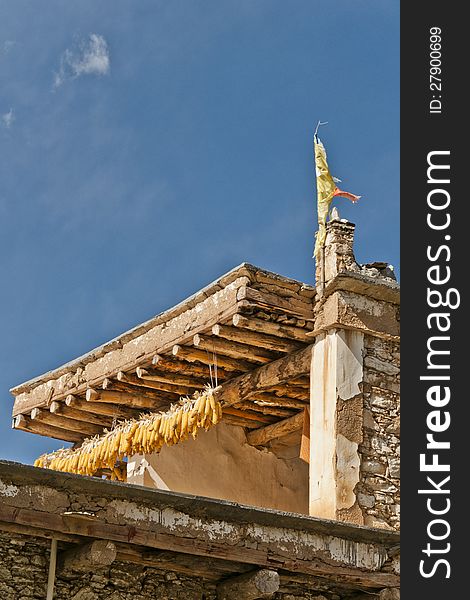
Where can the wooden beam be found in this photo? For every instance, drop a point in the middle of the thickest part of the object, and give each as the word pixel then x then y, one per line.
pixel 272 400
pixel 100 408
pixel 233 349
pixel 263 378
pixel 262 436
pixel 87 557
pixel 240 422
pixel 251 416
pixel 253 338
pixel 27 424
pixel 60 408
pixel 146 534
pixel 81 427
pixel 207 358
pixel 171 386
pixel 289 332
pixel 292 391
pixel 148 376
pixel 273 301
pixel 265 410
pixel 134 385
pixel 163 363
pixel 132 400
pixel 263 583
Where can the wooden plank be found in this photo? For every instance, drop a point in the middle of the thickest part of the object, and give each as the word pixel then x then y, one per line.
pixel 152 376
pixel 164 363
pixel 290 306
pixel 239 422
pixel 253 338
pixel 60 408
pixel 136 350
pixel 131 400
pixel 135 386
pixel 25 423
pixel 260 437
pixel 207 358
pixel 163 539
pixel 97 408
pixel 233 349
pixel 265 410
pixel 246 414
pixel 263 378
pixel 277 401
pixel 291 391
pixel 172 387
pixel 81 427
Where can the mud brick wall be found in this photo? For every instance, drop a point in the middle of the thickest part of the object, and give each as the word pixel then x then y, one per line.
pixel 378 491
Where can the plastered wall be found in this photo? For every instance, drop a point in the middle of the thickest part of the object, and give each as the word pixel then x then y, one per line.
pixel 220 464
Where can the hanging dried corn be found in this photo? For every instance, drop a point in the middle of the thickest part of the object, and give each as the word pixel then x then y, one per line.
pixel 145 435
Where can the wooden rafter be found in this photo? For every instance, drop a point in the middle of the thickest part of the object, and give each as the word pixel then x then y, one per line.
pixel 262 436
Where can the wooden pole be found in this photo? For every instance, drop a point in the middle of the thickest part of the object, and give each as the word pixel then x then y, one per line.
pixel 249 586
pixel 87 557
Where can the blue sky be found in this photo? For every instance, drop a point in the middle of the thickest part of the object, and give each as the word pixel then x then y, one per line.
pixel 148 147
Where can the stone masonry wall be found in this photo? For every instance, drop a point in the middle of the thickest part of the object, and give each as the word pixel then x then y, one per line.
pixel 24 563
pixel 378 491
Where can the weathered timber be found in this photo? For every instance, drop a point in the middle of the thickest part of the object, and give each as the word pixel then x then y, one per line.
pixel 261 379
pixel 137 386
pixel 291 391
pixel 239 422
pixel 60 408
pixel 206 357
pixel 270 400
pixel 341 552
pixel 254 585
pixel 87 557
pixel 262 436
pixel 233 349
pixel 155 377
pixel 164 363
pixel 211 569
pixel 27 424
pixel 244 414
pixel 143 535
pixel 265 410
pixel 290 332
pixel 114 385
pixel 253 338
pixel 97 408
pixel 290 306
pixel 81 427
pixel 132 400
pixel 158 335
pixel 172 387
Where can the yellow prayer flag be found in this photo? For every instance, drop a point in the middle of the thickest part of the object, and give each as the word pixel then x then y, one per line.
pixel 326 191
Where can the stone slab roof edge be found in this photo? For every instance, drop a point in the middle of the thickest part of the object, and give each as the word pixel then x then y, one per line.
pixel 243 270
pixel 20 474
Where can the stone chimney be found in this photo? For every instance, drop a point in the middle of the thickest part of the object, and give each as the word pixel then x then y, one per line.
pixel 337 255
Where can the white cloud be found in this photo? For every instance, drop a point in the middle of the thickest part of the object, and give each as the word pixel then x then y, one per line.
pixel 7 46
pixel 8 118
pixel 91 57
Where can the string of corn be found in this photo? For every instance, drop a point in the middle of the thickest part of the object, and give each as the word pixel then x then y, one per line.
pixel 145 435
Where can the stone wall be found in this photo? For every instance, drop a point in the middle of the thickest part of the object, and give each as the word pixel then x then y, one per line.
pixel 378 492
pixel 24 563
